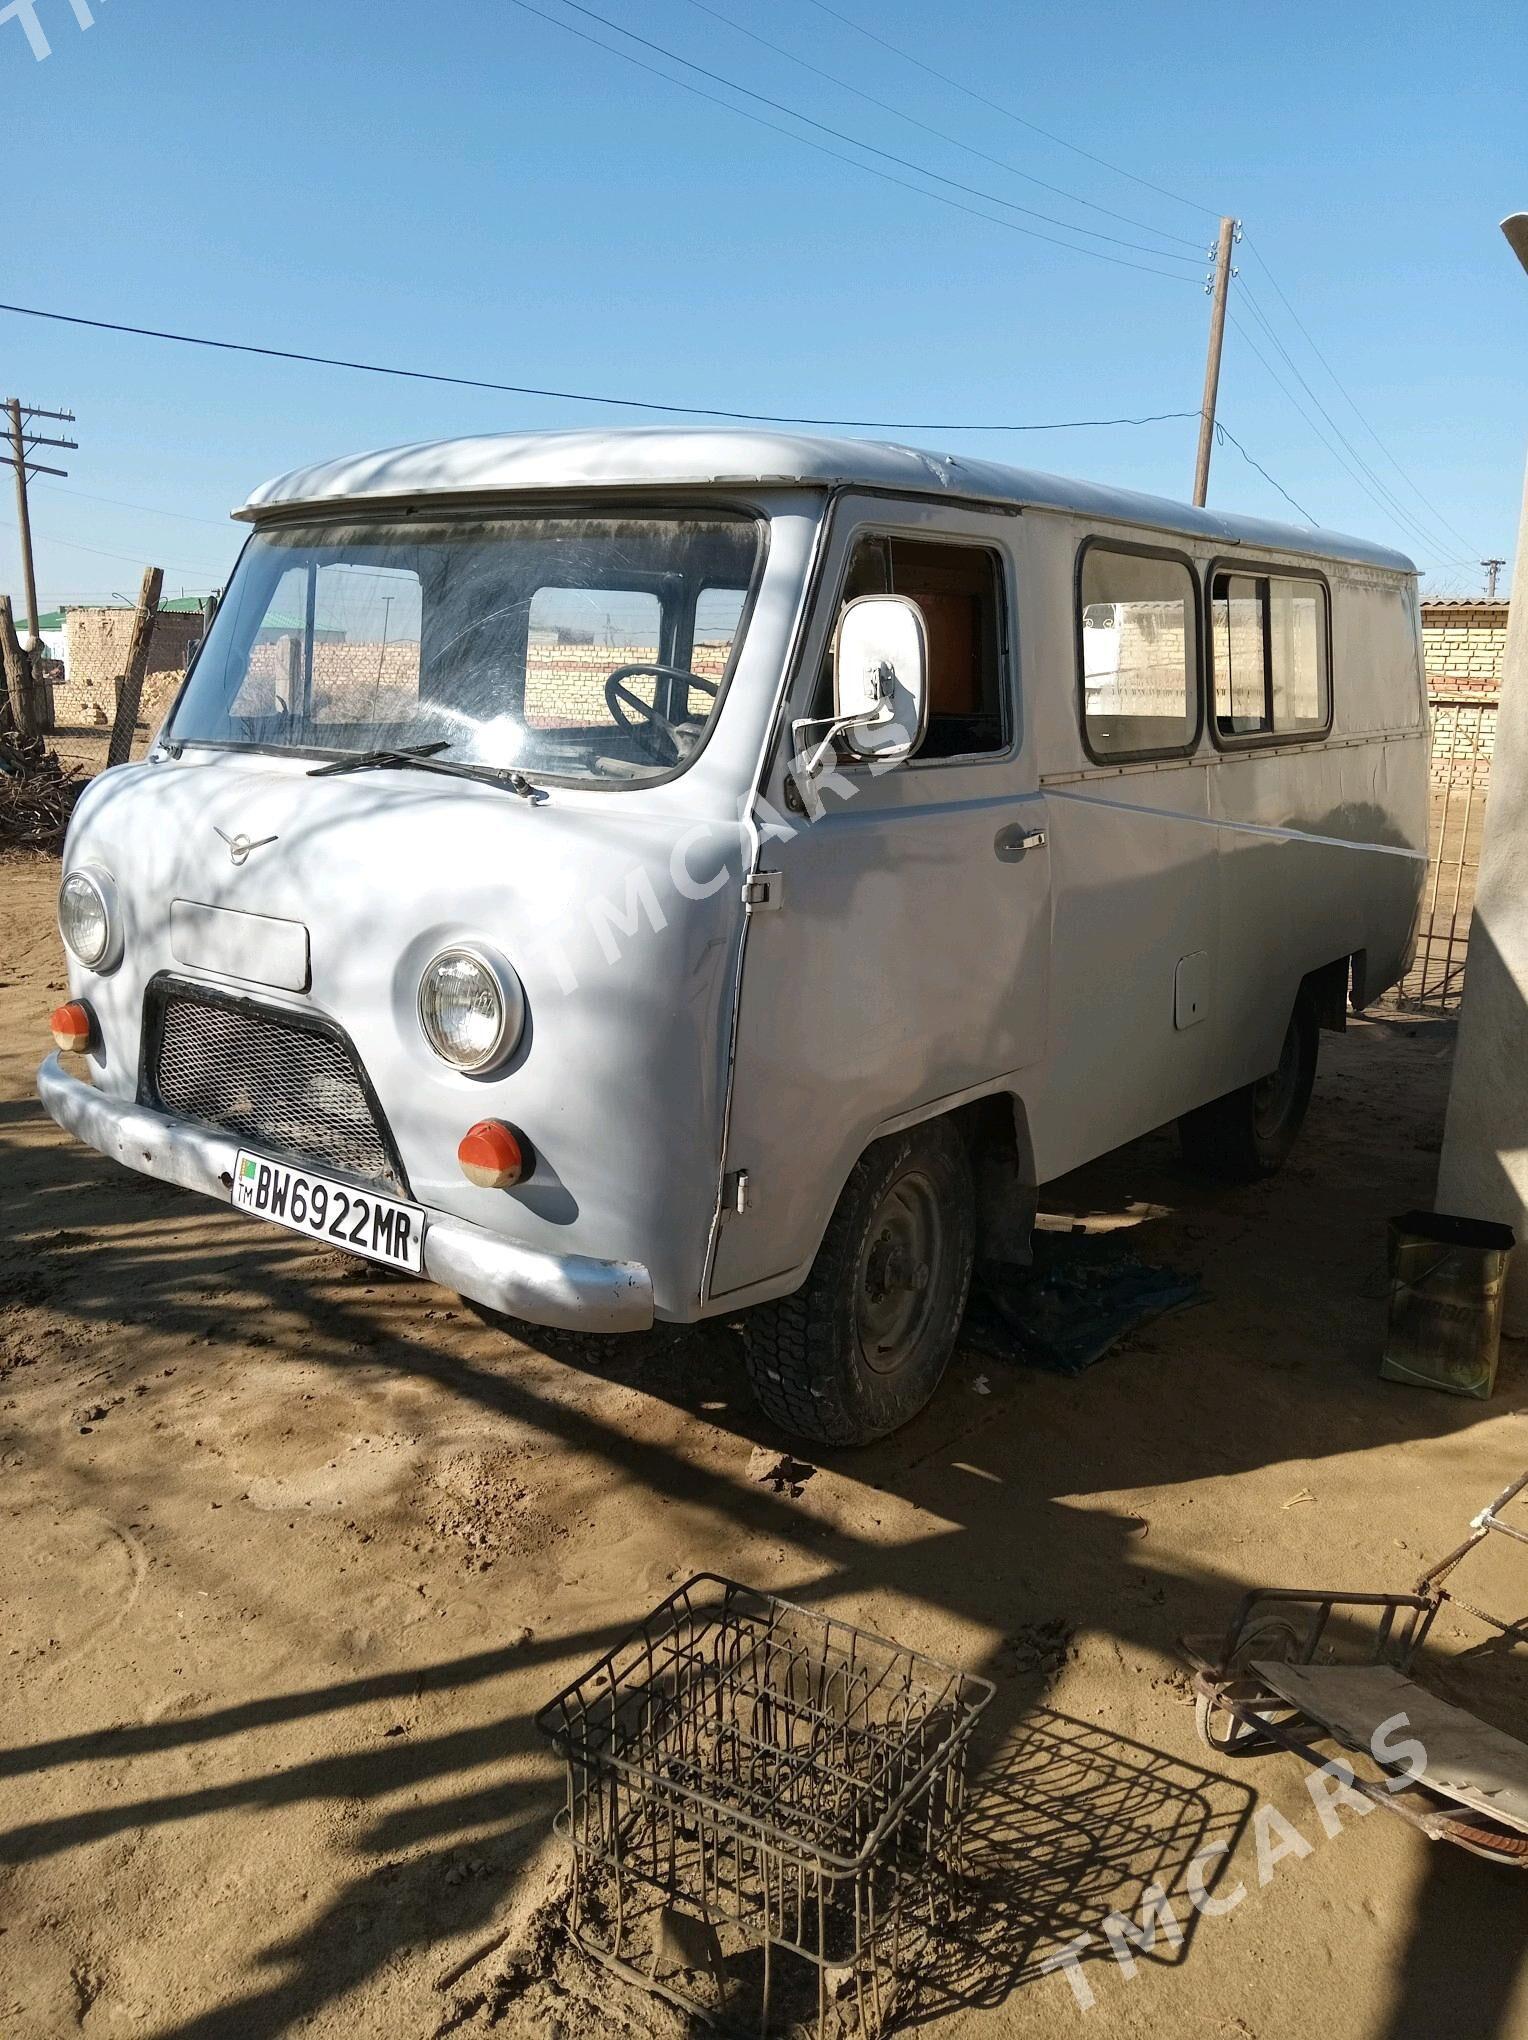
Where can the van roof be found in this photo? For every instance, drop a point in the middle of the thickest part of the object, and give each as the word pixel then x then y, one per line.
pixel 512 463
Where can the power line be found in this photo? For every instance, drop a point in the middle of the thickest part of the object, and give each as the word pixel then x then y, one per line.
pixel 1413 521
pixel 146 509
pixel 1413 531
pixel 806 142
pixel 954 141
pixel 134 559
pixel 1223 431
pixel 1009 114
pixel 870 148
pixel 573 396
pixel 1352 401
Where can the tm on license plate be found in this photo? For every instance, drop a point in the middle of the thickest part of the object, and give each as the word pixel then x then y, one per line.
pixel 360 1221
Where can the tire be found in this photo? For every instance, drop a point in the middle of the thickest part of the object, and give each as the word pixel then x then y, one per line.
pixel 862 1345
pixel 1247 1134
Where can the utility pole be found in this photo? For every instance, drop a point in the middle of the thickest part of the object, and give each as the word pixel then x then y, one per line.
pixel 1493 568
pixel 23 443
pixel 1216 286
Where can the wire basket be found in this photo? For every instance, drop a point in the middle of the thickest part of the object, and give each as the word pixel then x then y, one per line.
pixel 746 1777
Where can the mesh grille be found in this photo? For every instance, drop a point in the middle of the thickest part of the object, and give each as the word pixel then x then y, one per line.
pixel 280 1085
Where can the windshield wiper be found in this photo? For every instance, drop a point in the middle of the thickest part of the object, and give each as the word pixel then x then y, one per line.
pixel 409 754
pixel 422 758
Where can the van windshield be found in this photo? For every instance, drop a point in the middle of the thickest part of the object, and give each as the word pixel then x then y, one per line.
pixel 564 647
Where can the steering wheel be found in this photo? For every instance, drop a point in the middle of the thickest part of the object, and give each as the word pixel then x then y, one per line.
pixel 649 721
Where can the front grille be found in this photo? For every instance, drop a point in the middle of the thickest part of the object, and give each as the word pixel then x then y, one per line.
pixel 279 1080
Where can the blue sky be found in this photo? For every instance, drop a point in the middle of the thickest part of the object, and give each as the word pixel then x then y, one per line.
pixel 460 185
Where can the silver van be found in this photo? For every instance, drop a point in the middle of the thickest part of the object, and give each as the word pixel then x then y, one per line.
pixel 655 874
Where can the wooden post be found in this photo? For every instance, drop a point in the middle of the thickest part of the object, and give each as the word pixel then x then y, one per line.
pixel 130 686
pixel 1218 290
pixel 18 676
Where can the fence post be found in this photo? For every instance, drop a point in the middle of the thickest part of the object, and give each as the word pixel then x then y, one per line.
pixel 130 686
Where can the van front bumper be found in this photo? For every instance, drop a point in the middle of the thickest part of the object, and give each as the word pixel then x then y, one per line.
pixel 572 1291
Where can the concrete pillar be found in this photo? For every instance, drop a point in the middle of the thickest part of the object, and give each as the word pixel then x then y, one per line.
pixel 1483 1171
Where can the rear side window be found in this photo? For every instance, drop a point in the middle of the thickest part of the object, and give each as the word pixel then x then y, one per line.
pixel 577 636
pixel 1268 651
pixel 959 589
pixel 1138 650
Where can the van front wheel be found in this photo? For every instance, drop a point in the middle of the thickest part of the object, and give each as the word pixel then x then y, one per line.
pixel 861 1346
pixel 1247 1134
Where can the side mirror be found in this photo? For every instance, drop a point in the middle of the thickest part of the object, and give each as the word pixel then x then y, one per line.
pixel 880 677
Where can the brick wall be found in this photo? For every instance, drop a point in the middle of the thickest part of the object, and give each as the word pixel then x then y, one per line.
pixel 564 684
pixel 1462 647
pixel 1463 643
pixel 1463 739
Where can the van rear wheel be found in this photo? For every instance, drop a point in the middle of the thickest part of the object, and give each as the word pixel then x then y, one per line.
pixel 1247 1134
pixel 861 1346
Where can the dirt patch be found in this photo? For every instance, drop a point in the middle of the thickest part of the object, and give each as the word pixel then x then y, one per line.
pixel 294 1552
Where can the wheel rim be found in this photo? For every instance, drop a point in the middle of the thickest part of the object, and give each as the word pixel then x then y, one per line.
pixel 1273 1095
pixel 904 1245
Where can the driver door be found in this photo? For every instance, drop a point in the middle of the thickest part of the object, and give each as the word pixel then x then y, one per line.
pixel 906 963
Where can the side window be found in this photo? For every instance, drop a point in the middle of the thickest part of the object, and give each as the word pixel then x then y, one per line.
pixel 1268 649
pixel 959 589
pixel 366 628
pixel 578 636
pixel 718 618
pixel 365 624
pixel 1138 642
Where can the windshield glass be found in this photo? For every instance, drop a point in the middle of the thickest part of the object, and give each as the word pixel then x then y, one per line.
pixel 591 648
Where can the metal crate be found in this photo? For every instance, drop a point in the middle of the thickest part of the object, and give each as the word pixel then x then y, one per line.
pixel 746 1777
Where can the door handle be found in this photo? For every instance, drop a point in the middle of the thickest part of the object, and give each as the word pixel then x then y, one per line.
pixel 1012 842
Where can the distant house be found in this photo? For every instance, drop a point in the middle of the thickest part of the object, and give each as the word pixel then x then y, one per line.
pixel 96 639
pixel 50 629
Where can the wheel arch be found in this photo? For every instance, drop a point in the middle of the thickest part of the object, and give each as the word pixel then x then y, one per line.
pixel 994 1125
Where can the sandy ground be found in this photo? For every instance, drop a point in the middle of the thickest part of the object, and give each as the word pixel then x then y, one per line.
pixel 293 1552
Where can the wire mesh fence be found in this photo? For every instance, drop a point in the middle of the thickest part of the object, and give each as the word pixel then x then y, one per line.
pixel 749 1782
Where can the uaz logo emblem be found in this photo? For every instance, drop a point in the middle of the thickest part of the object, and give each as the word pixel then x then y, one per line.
pixel 240 846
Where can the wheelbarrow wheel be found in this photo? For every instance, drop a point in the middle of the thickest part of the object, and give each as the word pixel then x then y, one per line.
pixel 1221 1729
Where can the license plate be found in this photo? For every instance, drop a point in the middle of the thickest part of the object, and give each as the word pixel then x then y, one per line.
pixel 361 1221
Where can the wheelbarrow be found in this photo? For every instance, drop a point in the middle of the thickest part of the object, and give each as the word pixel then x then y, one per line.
pixel 1298 1667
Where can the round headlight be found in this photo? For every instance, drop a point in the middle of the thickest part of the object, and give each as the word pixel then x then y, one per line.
pixel 88 918
pixel 471 1009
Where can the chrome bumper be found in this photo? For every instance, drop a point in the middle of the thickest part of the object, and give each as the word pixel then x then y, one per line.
pixel 569 1290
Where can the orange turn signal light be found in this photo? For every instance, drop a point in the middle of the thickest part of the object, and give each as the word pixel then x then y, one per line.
pixel 72 1025
pixel 491 1155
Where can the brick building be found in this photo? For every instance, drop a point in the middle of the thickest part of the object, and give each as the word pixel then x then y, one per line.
pixel 96 641
pixel 1462 644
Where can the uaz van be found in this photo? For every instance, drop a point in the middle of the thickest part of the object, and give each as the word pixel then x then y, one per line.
pixel 652 874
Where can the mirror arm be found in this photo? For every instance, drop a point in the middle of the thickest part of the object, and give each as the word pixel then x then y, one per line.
pixel 833 727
